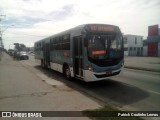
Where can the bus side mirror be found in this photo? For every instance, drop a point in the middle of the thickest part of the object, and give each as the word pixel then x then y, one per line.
pixel 85 42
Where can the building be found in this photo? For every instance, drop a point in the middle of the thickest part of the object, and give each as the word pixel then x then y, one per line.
pixel 153 41
pixel 133 45
pixel 145 48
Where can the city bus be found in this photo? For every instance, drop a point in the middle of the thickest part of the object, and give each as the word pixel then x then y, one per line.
pixel 89 52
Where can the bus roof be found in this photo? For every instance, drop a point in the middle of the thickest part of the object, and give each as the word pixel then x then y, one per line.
pixel 79 27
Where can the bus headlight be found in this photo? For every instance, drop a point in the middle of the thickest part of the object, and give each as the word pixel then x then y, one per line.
pixel 89 67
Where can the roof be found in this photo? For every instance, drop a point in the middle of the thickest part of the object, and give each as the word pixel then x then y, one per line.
pixel 133 35
pixel 74 28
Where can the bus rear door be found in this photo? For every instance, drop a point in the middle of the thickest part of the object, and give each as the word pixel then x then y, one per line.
pixel 47 55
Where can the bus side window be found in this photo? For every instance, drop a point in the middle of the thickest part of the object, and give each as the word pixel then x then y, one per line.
pixel 66 42
pixel 60 39
pixel 66 38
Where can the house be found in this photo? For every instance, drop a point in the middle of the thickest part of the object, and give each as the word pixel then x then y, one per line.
pixel 133 45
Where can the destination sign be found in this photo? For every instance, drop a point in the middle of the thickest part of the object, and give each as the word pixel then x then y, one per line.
pixel 101 28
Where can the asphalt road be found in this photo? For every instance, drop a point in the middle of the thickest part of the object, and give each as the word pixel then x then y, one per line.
pixel 151 63
pixel 133 90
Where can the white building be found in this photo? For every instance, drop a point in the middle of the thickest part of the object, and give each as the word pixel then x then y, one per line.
pixel 133 45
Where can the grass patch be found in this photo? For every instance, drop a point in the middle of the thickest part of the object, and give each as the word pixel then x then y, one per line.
pixel 107 113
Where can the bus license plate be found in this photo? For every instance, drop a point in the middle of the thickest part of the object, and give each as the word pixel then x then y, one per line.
pixel 109 72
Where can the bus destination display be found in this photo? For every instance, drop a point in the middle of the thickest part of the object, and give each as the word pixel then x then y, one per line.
pixel 101 28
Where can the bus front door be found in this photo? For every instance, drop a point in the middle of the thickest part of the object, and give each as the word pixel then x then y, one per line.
pixel 78 57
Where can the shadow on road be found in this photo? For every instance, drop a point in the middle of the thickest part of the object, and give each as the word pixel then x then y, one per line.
pixel 109 91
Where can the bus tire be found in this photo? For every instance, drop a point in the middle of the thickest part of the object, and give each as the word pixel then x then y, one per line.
pixel 67 72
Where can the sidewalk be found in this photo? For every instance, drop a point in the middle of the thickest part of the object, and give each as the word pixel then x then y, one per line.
pixel 142 63
pixel 22 90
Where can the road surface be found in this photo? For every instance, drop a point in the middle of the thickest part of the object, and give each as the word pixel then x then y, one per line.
pixel 134 90
pixel 30 87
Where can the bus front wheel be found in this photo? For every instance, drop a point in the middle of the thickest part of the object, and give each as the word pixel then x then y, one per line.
pixel 67 72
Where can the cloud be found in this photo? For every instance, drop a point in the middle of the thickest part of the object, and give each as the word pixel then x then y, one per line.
pixel 19 22
pixel 62 13
pixel 46 17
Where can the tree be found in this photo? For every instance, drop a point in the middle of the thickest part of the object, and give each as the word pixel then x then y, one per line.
pixel 20 47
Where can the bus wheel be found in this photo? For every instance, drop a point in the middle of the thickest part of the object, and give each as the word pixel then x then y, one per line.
pixel 67 72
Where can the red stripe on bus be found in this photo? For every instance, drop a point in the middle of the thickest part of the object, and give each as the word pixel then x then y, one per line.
pixel 66 54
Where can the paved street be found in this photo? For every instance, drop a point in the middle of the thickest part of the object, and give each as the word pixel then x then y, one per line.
pixel 150 63
pixel 133 90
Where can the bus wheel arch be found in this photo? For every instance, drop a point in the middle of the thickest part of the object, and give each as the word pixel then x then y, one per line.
pixel 66 71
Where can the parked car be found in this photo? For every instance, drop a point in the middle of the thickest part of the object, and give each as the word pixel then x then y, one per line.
pixel 23 55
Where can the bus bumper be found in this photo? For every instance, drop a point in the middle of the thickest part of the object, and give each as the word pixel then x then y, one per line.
pixel 90 76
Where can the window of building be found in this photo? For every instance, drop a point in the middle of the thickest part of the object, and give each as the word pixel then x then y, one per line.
pixel 135 40
pixel 125 49
pixel 131 48
pixel 125 40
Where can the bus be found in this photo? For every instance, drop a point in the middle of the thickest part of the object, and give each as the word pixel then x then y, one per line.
pixel 89 52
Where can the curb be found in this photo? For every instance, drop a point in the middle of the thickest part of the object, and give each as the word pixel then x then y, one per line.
pixel 144 69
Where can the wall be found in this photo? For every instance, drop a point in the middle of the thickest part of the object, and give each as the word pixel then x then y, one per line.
pixel 153 30
pixel 126 52
pixel 153 40
pixel 145 51
pixel 152 49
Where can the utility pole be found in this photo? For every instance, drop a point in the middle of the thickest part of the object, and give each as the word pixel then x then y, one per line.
pixel 1 41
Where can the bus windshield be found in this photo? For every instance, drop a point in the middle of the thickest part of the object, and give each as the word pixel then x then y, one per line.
pixel 103 47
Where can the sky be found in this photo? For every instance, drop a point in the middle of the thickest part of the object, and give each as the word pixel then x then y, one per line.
pixel 27 21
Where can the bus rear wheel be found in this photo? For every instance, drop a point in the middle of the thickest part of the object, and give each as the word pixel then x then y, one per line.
pixel 67 72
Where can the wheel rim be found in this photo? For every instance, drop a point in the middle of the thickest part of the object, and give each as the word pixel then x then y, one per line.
pixel 68 73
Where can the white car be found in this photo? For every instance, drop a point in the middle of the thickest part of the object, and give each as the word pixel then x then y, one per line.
pixel 23 55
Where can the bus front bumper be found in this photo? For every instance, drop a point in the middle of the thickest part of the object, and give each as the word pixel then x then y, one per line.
pixel 90 76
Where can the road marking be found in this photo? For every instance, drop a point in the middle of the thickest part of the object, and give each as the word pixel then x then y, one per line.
pixel 153 92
